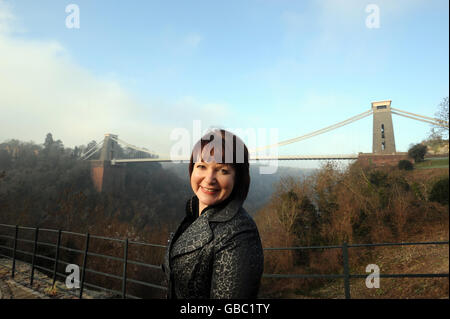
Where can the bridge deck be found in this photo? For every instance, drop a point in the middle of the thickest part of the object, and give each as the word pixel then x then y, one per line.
pixel 252 160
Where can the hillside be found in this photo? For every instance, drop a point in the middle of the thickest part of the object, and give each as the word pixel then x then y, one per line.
pixel 382 206
pixel 420 259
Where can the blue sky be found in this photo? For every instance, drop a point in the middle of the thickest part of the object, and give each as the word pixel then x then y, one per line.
pixel 142 68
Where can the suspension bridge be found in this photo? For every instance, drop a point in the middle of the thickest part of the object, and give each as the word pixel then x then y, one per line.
pixel 383 140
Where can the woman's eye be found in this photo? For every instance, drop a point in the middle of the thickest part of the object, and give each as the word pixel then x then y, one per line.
pixel 224 171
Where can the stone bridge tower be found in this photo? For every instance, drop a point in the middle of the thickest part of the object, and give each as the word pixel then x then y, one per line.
pixel 109 147
pixel 107 177
pixel 383 130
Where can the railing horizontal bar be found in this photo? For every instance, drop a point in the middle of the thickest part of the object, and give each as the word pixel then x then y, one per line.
pixel 302 276
pixel 147 244
pixel 72 233
pixel 92 254
pixel 45 257
pixel 8 237
pixel 403 275
pixel 5 225
pixel 104 256
pixel 400 244
pixel 106 238
pixel 25 240
pixel 26 228
pixel 62 275
pixel 144 264
pixel 42 268
pixel 49 230
pixel 71 249
pixel 64 262
pixel 6 247
pixel 30 254
pixel 146 284
pixel 32 241
pixel 104 274
pixel 45 244
pixel 24 252
pixel 297 248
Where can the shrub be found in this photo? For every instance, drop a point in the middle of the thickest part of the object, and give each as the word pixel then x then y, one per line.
pixel 405 165
pixel 439 192
pixel 417 152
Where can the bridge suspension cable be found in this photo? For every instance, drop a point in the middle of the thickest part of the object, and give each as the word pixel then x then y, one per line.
pixel 133 146
pixel 91 151
pixel 434 121
pixel 321 131
pixel 422 118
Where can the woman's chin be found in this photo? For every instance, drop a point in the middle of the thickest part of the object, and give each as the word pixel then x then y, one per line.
pixel 207 200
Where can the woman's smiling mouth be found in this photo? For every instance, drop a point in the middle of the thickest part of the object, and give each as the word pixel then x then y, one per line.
pixel 207 190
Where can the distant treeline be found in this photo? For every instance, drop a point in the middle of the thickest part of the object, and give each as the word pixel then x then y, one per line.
pixel 48 185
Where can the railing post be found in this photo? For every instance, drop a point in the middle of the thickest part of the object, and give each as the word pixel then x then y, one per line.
pixel 346 270
pixel 14 251
pixel 125 259
pixel 84 265
pixel 58 243
pixel 33 260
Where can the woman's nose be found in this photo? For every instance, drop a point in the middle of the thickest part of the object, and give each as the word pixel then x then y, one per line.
pixel 210 177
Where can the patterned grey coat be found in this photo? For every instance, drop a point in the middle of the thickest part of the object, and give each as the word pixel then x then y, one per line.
pixel 218 256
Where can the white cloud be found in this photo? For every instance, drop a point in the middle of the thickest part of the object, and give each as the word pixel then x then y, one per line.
pixel 7 19
pixel 193 40
pixel 43 90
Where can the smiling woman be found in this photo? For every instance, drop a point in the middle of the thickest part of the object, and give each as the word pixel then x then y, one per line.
pixel 216 251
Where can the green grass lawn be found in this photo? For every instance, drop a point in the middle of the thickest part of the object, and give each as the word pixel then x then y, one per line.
pixel 432 163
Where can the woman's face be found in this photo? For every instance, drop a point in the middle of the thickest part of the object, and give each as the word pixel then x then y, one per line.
pixel 212 182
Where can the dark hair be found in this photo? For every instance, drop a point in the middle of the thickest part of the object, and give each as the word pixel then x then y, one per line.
pixel 221 150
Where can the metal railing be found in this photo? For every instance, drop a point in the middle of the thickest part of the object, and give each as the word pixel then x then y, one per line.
pixel 346 269
pixel 85 254
pixel 346 275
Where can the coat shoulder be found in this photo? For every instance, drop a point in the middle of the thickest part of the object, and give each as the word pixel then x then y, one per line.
pixel 242 222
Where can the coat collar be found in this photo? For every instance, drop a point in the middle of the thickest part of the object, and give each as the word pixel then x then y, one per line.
pixel 220 213
pixel 199 233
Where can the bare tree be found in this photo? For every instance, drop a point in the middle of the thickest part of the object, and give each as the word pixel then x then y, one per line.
pixel 442 116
